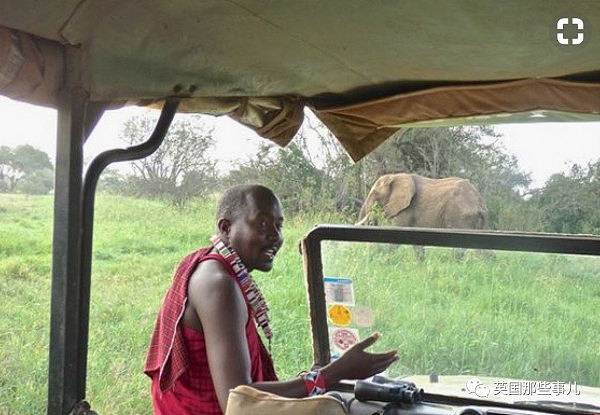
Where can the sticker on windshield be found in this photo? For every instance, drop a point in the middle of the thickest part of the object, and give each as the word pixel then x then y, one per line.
pixel 341 339
pixel 338 290
pixel 340 315
pixel 362 316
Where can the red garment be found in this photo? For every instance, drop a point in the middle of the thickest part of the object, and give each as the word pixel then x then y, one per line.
pixel 177 361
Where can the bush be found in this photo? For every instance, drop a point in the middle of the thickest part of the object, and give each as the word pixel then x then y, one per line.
pixel 513 213
pixel 38 182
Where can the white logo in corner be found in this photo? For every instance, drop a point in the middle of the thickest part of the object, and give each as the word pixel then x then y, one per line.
pixel 570 31
pixel 475 386
pixel 578 27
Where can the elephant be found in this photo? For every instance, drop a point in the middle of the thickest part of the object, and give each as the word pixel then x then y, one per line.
pixel 410 200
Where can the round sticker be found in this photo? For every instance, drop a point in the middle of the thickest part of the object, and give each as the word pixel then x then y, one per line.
pixel 340 315
pixel 344 338
pixel 362 316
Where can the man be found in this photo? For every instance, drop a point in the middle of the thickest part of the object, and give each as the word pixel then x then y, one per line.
pixel 205 341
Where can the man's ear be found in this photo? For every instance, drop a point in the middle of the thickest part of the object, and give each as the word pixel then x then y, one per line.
pixel 224 226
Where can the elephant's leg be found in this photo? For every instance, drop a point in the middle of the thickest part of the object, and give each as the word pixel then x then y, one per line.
pixel 487 254
pixel 459 253
pixel 419 252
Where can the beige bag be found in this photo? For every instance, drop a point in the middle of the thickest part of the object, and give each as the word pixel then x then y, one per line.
pixel 245 400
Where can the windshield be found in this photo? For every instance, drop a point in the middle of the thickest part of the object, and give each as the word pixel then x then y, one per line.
pixel 513 324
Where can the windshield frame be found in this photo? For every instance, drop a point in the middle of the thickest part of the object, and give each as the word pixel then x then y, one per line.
pixel 311 248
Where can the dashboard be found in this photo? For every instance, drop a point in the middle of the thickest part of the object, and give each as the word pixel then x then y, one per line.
pixel 356 407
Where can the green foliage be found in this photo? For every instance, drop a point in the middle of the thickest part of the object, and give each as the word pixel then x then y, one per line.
pixel 305 182
pixel 15 269
pixel 37 182
pixel 512 212
pixel 112 181
pixel 29 159
pixel 25 169
pixel 569 202
pixel 378 217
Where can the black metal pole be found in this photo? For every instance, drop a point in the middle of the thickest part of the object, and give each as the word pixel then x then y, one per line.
pixel 64 314
pixel 313 269
pixel 89 192
pixel 461 238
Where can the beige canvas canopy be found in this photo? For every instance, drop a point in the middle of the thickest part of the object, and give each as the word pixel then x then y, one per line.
pixel 367 68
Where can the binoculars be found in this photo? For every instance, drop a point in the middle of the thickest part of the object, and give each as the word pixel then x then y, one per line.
pixel 383 389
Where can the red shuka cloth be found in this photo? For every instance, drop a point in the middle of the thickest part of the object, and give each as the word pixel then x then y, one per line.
pixel 177 361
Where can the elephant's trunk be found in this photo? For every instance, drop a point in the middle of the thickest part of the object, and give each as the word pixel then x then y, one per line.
pixel 363 215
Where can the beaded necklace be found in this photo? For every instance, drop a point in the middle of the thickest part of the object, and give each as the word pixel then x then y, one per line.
pixel 251 291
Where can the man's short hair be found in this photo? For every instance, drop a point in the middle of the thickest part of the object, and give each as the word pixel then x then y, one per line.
pixel 235 200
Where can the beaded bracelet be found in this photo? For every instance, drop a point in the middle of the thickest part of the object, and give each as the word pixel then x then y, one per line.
pixel 315 383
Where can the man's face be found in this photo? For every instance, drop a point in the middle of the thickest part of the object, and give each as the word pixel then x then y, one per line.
pixel 256 234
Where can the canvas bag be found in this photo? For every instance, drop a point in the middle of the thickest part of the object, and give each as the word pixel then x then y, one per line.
pixel 246 400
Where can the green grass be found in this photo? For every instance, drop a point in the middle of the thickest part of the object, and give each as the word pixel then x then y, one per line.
pixel 519 315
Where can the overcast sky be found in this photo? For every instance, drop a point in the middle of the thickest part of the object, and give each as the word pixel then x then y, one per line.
pixel 541 148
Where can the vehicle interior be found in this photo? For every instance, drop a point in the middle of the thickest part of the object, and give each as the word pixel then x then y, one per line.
pixel 366 69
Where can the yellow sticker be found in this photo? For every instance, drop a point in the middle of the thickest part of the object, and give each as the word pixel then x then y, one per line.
pixel 340 315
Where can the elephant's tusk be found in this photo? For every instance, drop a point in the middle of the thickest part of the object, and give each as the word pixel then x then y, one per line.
pixel 362 222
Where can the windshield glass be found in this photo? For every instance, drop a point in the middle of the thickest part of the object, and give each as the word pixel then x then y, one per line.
pixel 529 320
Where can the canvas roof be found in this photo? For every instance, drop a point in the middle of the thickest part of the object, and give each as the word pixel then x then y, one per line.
pixel 366 67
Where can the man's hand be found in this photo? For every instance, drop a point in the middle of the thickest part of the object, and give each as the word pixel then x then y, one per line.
pixel 356 363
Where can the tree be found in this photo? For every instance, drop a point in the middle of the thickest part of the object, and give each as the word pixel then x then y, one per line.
pixel 569 202
pixel 287 171
pixel 181 168
pixel 7 172
pixel 25 169
pixel 311 174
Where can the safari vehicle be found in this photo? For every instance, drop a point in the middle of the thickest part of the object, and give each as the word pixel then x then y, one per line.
pixel 366 69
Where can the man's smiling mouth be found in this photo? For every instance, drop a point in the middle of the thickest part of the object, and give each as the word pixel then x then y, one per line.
pixel 270 253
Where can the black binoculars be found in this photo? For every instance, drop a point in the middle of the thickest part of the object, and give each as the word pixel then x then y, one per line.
pixel 383 389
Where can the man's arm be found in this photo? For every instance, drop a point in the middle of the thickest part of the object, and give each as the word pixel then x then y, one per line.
pixel 218 302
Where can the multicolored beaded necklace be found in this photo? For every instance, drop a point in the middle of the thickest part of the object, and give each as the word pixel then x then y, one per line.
pixel 253 295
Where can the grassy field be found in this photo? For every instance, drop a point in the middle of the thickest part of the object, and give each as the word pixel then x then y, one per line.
pixel 519 315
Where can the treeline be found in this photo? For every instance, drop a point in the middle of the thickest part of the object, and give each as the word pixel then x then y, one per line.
pixel 314 174
pixel 570 203
pixel 25 169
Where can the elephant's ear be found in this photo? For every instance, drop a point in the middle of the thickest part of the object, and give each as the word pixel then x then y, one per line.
pixel 402 190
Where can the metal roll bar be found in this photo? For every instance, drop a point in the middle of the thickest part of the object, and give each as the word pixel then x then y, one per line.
pixel 72 236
